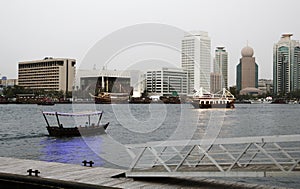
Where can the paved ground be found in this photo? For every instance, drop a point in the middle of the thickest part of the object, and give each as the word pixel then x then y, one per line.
pixel 77 176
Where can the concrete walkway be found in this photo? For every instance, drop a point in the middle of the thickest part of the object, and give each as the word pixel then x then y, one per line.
pixel 60 175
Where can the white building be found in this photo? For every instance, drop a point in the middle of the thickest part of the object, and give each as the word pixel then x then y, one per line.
pixel 221 66
pixel 196 60
pixel 166 81
pixel 51 74
pixel 4 82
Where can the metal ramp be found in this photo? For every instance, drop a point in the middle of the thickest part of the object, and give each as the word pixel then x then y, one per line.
pixel 224 157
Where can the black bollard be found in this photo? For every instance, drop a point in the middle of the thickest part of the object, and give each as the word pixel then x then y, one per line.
pixel 84 162
pixel 36 172
pixel 29 171
pixel 91 163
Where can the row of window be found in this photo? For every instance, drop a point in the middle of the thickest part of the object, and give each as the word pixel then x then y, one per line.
pixel 41 64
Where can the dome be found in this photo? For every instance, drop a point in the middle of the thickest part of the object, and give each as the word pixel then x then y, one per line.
pixel 247 52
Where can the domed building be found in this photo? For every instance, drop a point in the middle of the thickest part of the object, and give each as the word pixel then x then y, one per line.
pixel 247 52
pixel 247 70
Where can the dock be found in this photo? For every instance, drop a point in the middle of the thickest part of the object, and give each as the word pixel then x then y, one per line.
pixel 14 173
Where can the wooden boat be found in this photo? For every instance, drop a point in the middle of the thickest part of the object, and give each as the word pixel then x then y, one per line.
pixel 208 100
pixel 3 100
pixel 140 100
pixel 102 98
pixel 170 99
pixel 46 102
pixel 89 129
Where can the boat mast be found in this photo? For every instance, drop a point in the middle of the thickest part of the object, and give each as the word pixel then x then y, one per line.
pixel 58 120
pixel 99 119
pixel 46 120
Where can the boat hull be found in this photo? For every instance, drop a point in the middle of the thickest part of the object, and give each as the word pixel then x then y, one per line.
pixel 207 106
pixel 46 103
pixel 76 131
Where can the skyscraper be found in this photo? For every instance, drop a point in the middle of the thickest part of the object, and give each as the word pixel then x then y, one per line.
pixel 195 59
pixel 215 82
pixel 286 65
pixel 247 70
pixel 221 66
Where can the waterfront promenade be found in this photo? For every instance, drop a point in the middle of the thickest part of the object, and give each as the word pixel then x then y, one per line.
pixel 13 172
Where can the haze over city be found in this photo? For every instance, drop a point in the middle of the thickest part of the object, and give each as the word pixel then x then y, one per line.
pixel 34 29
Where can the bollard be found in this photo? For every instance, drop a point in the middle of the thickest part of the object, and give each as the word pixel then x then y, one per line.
pixel 87 162
pixel 29 171
pixel 36 172
pixel 91 163
pixel 84 162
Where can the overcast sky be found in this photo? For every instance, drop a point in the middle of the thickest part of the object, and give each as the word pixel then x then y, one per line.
pixel 34 29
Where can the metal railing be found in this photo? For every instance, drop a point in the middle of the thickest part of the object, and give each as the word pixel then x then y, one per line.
pixel 224 157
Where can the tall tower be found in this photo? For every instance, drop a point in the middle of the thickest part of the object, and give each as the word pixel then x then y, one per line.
pixel 195 59
pixel 247 70
pixel 286 65
pixel 221 66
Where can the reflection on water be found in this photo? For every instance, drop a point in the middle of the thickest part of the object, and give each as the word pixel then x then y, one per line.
pixel 69 150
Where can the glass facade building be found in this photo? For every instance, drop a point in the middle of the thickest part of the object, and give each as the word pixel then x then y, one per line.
pixel 221 67
pixel 286 65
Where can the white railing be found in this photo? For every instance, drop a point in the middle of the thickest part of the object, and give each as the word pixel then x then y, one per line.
pixel 223 157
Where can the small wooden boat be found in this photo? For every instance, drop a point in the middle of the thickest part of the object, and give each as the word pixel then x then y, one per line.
pixel 46 102
pixel 3 100
pixel 170 99
pixel 89 129
pixel 140 100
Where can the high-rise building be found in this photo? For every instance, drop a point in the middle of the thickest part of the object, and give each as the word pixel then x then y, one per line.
pixel 51 74
pixel 247 70
pixel 286 65
pixel 196 60
pixel 166 81
pixel 265 85
pixel 215 82
pixel 221 68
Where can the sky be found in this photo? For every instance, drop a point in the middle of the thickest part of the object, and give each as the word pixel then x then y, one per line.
pixel 34 29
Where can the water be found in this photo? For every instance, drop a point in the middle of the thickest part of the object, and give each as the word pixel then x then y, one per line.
pixel 23 131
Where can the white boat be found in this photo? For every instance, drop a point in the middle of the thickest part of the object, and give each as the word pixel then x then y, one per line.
pixel 208 100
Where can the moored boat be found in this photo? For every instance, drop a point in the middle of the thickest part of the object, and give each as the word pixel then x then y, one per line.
pixel 46 102
pixel 208 100
pixel 89 129
pixel 3 100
